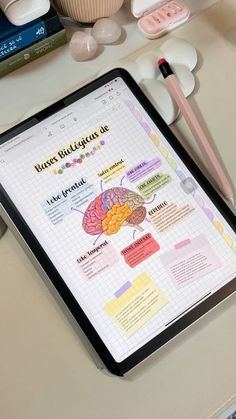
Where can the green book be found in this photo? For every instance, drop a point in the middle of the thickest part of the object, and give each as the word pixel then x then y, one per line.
pixel 33 52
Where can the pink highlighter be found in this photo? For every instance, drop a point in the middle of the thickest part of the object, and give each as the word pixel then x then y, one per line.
pixel 158 17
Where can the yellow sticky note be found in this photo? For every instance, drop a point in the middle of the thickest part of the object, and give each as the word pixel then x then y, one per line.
pixel 135 303
pixel 112 172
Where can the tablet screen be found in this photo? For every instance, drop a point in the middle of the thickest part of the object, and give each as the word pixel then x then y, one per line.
pixel 131 232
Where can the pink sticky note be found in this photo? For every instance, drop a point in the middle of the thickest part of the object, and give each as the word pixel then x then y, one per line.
pixel 182 244
pixel 190 260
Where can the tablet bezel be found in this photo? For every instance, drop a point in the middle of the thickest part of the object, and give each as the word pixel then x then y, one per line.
pixel 186 319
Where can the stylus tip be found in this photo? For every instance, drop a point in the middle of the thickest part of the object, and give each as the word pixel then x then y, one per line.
pixel 161 61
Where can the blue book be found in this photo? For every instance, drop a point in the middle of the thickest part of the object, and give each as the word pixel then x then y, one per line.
pixel 15 38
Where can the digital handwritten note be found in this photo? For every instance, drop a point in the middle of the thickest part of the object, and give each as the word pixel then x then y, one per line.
pixel 190 260
pixel 135 303
pixel 166 215
pixel 143 169
pixel 112 171
pixel 97 260
pixel 153 184
pixel 60 203
pixel 140 250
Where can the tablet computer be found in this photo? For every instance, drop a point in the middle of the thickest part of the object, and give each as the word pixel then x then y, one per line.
pixel 117 216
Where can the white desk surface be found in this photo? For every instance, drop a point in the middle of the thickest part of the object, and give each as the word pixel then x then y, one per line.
pixel 45 371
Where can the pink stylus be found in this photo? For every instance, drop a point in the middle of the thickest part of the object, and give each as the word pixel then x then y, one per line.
pixel 215 167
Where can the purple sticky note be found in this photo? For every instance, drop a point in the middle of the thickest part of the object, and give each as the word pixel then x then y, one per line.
pixel 146 127
pixel 208 213
pixel 142 169
pixel 122 289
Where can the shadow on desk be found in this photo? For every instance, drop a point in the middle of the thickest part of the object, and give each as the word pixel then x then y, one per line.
pixel 220 19
pixel 198 331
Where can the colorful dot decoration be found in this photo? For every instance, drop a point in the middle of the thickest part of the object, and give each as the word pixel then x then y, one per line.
pixel 79 160
pixel 181 175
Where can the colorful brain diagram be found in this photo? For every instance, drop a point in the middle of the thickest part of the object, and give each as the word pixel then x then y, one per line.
pixel 112 209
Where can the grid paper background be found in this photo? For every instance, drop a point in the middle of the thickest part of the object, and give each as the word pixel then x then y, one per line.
pixel 66 241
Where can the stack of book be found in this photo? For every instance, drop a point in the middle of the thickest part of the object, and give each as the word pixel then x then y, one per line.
pixel 22 44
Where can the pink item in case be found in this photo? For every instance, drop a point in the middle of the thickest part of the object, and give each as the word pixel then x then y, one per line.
pixel 163 19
